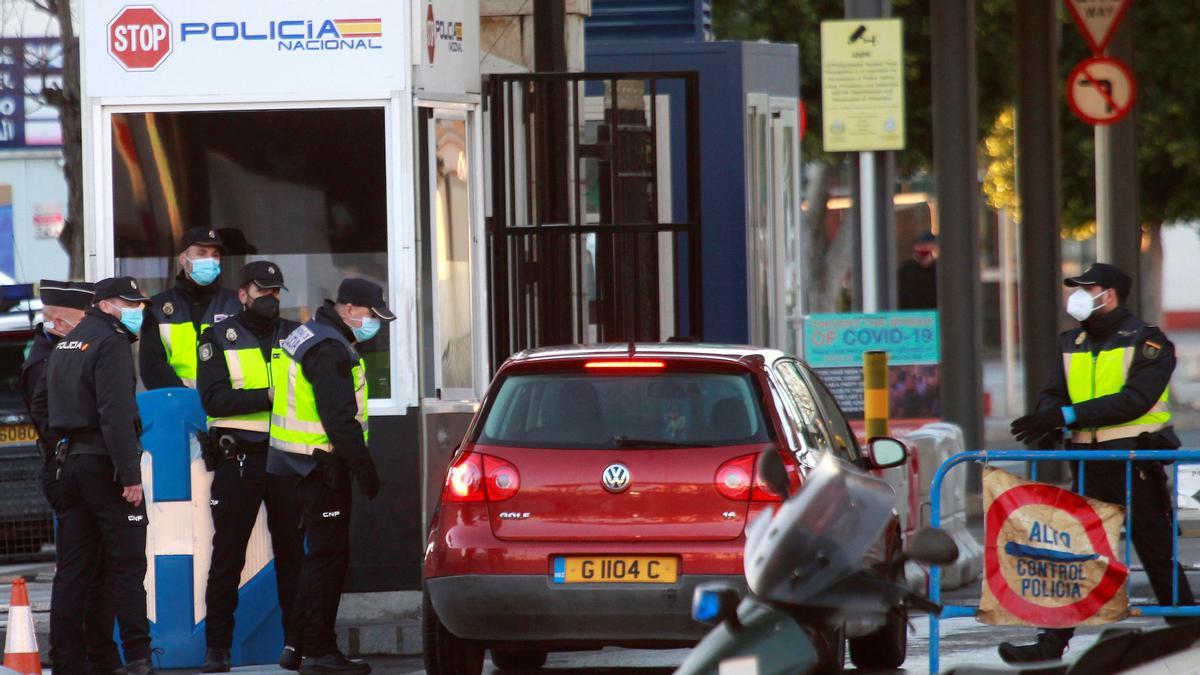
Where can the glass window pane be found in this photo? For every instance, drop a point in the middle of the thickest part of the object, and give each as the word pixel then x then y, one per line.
pixel 843 436
pixel 303 188
pixel 585 411
pixel 452 214
pixel 815 434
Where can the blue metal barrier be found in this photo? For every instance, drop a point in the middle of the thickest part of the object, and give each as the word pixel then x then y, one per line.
pixel 180 543
pixel 1079 456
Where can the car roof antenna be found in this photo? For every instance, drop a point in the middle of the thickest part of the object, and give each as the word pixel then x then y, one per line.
pixel 632 348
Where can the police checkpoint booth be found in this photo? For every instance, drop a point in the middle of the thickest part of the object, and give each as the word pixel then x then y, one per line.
pixel 337 140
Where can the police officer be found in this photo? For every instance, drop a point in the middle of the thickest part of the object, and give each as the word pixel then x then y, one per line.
pixel 63 304
pixel 319 432
pixel 1111 394
pixel 89 385
pixel 181 313
pixel 235 387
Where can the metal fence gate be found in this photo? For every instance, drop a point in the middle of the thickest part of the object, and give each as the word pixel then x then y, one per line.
pixel 594 229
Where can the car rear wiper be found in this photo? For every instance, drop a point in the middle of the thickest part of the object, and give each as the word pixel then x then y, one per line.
pixel 627 442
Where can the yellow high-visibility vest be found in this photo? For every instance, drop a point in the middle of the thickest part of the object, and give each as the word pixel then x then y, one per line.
pixel 177 331
pixel 247 369
pixel 296 425
pixel 1090 376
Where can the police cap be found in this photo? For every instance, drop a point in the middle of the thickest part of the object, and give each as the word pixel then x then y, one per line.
pixel 363 293
pixel 264 273
pixel 72 294
pixel 125 288
pixel 204 236
pixel 1105 276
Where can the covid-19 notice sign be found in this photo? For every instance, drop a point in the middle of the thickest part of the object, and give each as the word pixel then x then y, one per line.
pixel 834 345
pixel 1050 556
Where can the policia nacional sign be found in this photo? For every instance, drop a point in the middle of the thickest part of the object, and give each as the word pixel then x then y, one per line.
pixel 1049 556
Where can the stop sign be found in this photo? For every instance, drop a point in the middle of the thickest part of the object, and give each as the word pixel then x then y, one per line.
pixel 139 38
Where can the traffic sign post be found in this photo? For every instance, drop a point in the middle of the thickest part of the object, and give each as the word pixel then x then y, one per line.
pixel 1101 91
pixel 139 38
pixel 1098 20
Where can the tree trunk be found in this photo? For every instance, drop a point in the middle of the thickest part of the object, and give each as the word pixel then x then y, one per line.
pixel 825 261
pixel 68 102
pixel 1151 275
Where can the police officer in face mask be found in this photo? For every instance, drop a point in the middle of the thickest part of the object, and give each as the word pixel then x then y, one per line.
pixel 93 416
pixel 319 433
pixel 179 314
pixel 63 305
pixel 235 387
pixel 1110 393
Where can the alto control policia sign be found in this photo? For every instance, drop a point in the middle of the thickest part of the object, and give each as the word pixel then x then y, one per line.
pixel 224 47
pixel 1049 556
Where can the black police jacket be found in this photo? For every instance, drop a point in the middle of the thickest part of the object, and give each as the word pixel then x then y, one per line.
pixel 33 370
pixel 90 383
pixel 217 394
pixel 1148 375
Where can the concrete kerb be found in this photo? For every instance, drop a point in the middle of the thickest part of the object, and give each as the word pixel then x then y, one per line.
pixel 369 624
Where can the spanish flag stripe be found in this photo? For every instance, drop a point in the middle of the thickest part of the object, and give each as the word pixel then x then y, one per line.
pixel 360 28
pixel 375 20
pixel 361 35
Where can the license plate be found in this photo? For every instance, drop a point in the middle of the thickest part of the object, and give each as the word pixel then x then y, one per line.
pixel 615 569
pixel 20 434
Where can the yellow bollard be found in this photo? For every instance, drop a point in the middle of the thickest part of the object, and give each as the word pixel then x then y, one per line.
pixel 875 393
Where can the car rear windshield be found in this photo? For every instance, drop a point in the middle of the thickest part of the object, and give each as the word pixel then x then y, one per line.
pixel 569 410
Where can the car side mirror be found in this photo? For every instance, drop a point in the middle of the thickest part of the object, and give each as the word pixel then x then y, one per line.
pixel 714 602
pixel 932 546
pixel 774 473
pixel 885 453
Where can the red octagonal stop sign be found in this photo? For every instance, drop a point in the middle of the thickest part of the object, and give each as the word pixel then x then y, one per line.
pixel 139 38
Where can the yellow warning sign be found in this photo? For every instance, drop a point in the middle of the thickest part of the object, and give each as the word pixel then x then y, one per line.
pixel 862 85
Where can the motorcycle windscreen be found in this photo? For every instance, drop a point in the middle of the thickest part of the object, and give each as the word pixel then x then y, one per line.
pixel 819 536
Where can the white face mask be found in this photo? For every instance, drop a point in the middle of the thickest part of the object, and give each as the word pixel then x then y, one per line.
pixel 1081 304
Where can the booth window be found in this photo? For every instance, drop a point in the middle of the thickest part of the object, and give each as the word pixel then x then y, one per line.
pixel 306 189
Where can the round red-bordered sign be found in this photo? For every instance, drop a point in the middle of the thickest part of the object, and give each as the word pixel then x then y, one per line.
pixel 1077 507
pixel 1101 90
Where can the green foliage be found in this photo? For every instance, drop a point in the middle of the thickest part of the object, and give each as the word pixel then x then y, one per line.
pixel 1167 108
pixel 799 21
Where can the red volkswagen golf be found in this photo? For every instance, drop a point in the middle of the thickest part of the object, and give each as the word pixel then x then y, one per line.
pixel 597 486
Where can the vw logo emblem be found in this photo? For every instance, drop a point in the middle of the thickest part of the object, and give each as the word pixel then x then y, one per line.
pixel 616 478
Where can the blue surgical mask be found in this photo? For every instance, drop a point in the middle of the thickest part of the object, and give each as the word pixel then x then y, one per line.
pixel 368 329
pixel 205 270
pixel 132 317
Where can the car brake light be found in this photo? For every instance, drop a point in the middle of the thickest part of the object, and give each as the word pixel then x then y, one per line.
pixel 734 480
pixel 626 364
pixel 503 481
pixel 478 478
pixel 734 477
pixel 464 480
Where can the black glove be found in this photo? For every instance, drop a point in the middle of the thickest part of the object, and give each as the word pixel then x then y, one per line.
pixel 1034 426
pixel 367 477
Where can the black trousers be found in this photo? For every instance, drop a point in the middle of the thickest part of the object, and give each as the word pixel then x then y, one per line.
pixel 1150 516
pixel 97 523
pixel 325 502
pixel 98 618
pixel 237 492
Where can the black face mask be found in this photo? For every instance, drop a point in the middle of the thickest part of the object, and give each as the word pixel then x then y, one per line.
pixel 265 307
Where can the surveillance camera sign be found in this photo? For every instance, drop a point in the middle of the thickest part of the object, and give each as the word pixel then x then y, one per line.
pixel 1049 556
pixel 862 85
